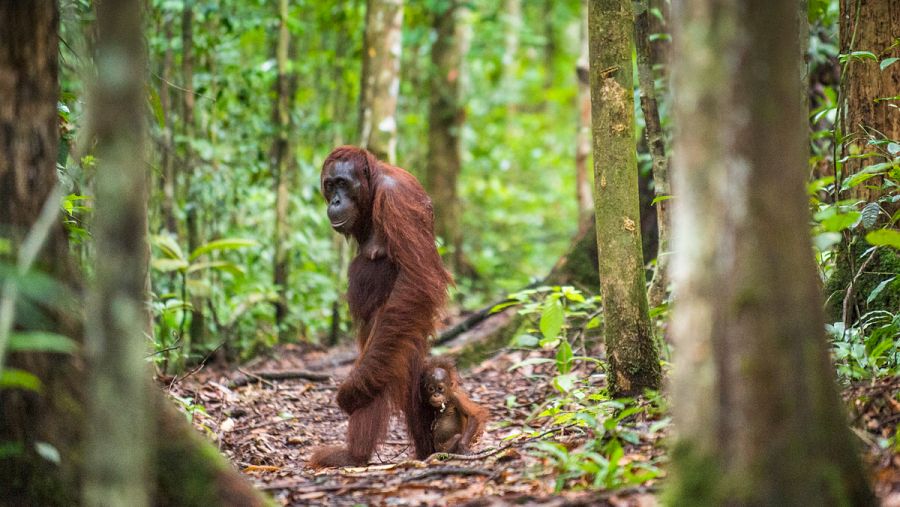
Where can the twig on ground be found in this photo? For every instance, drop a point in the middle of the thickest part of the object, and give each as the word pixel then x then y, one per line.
pixel 443 456
pixel 263 376
pixel 446 471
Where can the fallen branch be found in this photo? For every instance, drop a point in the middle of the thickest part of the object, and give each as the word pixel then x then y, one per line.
pixel 445 456
pixel 278 375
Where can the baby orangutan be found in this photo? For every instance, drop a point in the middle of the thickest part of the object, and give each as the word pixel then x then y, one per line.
pixel 458 421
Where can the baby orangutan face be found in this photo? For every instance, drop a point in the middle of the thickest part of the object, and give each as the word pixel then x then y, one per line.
pixel 438 386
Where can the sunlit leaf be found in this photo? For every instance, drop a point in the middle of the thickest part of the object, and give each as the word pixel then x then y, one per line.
pixel 12 378
pixel 887 62
pixel 878 288
pixel 551 319
pixel 884 237
pixel 564 357
pixel 222 244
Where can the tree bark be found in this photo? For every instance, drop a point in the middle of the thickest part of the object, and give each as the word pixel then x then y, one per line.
pixel 756 410
pixel 167 143
pixel 197 330
pixel 868 25
pixel 281 165
pixel 445 122
pixel 659 284
pixel 186 469
pixel 117 458
pixel 29 140
pixel 583 191
pixel 381 78
pixel 630 345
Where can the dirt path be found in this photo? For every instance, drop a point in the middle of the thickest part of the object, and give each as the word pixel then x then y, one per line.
pixel 268 428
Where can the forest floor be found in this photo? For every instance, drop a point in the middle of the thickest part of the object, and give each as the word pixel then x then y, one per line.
pixel 268 428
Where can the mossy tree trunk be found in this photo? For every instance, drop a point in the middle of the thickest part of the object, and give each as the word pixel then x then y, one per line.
pixel 380 86
pixel 184 469
pixel 756 411
pixel 117 439
pixel 630 346
pixel 281 167
pixel 659 284
pixel 869 25
pixel 445 123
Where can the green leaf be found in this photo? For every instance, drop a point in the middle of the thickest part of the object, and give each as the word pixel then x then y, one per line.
pixel 13 378
pixel 47 451
pixel 877 290
pixel 551 319
pixel 168 265
pixel 858 55
pixel 887 62
pixel 230 267
pixel 222 244
pixel 826 240
pixel 840 221
pixel 40 341
pixel 564 383
pixel 525 340
pixel 884 237
pixel 660 198
pixel 564 357
pixel 168 246
pixel 870 215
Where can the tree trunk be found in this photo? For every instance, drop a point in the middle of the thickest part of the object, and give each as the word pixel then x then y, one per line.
pixel 117 440
pixel 281 165
pixel 29 139
pixel 197 330
pixel 630 346
pixel 583 190
pixel 167 143
pixel 445 123
pixel 381 78
pixel 656 145
pixel 868 25
pixel 756 411
pixel 186 469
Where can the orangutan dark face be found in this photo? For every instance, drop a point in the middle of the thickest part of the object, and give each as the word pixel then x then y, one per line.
pixel 344 191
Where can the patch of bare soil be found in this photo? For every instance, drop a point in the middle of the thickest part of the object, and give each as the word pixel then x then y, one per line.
pixel 268 428
pixel 267 416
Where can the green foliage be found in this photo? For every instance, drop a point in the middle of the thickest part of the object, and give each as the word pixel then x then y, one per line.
pixel 563 316
pixel 868 349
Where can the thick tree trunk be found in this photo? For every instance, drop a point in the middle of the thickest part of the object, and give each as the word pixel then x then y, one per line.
pixel 756 410
pixel 29 142
pixel 583 191
pixel 656 144
pixel 281 165
pixel 117 458
pixel 630 345
pixel 186 469
pixel 445 123
pixel 381 78
pixel 868 25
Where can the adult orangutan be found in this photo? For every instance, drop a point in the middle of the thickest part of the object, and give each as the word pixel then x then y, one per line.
pixel 397 286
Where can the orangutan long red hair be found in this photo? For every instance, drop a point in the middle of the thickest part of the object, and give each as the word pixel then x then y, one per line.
pixel 397 288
